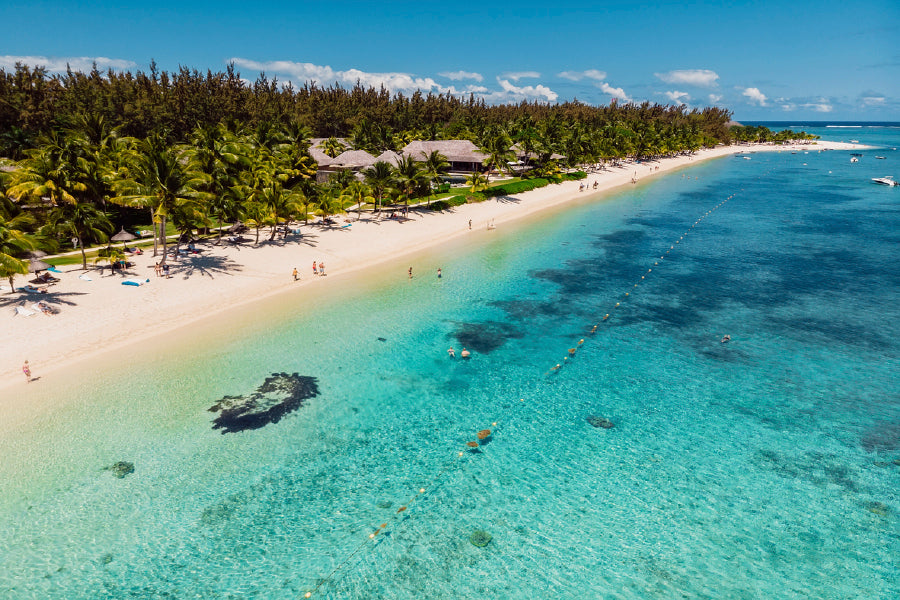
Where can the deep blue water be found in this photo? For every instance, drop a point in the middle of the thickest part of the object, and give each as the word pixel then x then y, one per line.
pixel 761 468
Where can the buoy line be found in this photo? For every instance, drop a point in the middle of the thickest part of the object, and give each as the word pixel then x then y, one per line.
pixel 484 436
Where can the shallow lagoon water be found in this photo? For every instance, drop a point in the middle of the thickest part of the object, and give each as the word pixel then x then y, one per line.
pixel 759 468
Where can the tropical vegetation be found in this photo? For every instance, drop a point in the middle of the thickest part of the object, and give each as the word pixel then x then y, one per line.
pixel 191 153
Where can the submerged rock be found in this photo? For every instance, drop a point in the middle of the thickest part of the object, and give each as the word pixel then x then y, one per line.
pixel 600 422
pixel 480 538
pixel 384 504
pixel 279 395
pixel 879 508
pixel 121 469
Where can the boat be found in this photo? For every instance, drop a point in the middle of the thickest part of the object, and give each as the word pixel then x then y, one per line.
pixel 855 141
pixel 887 180
pixel 880 157
pixel 746 157
pixel 856 154
pixel 854 159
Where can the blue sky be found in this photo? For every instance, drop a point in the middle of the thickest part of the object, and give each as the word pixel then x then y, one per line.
pixel 786 60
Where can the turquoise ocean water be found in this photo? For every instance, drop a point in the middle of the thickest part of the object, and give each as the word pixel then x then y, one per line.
pixel 766 467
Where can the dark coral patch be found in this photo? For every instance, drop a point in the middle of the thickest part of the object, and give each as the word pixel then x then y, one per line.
pixel 279 395
pixel 486 336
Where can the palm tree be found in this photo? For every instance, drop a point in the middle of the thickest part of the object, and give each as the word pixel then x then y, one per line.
pixel 332 147
pixel 357 193
pixel 14 240
pixel 409 176
pixel 56 172
pixel 434 166
pixel 161 181
pixel 81 220
pixel 477 181
pixel 218 154
pixel 380 178
pixel 497 147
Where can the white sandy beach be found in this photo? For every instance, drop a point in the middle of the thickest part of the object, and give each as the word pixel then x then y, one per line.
pixel 102 314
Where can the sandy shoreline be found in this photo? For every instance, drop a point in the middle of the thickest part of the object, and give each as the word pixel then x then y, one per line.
pixel 103 315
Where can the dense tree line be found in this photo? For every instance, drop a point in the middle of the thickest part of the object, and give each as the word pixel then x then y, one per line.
pixel 35 102
pixel 87 153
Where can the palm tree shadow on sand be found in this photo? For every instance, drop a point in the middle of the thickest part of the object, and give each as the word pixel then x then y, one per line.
pixel 205 266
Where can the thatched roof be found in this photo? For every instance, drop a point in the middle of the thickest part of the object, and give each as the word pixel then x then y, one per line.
pixel 453 150
pixel 319 155
pixel 353 159
pixel 390 157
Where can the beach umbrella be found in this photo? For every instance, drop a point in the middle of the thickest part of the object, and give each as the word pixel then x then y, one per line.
pixel 123 236
pixel 36 254
pixel 36 264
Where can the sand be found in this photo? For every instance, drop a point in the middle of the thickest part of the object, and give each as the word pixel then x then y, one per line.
pixel 102 315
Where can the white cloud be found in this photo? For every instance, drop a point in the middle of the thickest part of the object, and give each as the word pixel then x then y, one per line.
pixel 755 95
pixel 58 64
pixel 517 75
pixel 289 71
pixel 678 97
pixel 458 75
pixel 513 93
pixel 788 106
pixel 715 98
pixel 697 77
pixel 614 92
pixel 822 107
pixel 873 100
pixel 323 75
pixel 579 75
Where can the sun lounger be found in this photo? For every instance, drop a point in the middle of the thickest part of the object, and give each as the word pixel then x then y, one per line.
pixel 33 290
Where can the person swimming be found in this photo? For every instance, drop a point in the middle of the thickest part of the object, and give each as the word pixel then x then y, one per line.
pixel 726 338
pixel 465 353
pixel 451 352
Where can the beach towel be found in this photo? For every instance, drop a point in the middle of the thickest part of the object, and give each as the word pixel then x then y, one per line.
pixel 135 281
pixel 85 276
pixel 21 310
pixel 54 270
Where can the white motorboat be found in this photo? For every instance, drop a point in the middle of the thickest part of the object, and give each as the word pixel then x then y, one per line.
pixel 854 159
pixel 887 180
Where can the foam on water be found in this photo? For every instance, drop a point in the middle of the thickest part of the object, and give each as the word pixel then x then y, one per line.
pixel 759 468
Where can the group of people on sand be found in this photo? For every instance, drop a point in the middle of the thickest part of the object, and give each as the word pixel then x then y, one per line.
pixel 452 353
pixel 318 269
pixel 162 270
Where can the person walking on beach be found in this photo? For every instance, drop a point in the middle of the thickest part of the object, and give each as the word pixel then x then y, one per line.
pixel 470 223
pixel 27 371
pixel 439 272
pixel 321 268
pixel 315 268
pixel 410 272
pixel 296 274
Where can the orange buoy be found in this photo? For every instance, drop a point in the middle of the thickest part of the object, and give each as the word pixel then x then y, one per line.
pixel 401 509
pixel 472 444
pixel 484 434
